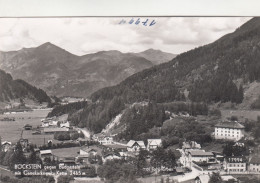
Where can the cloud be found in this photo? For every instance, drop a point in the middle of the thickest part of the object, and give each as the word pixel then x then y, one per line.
pixel 87 35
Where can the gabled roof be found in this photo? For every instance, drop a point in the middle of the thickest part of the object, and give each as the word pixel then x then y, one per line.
pixel 255 160
pixel 6 142
pixel 111 154
pixel 230 124
pixel 154 142
pixel 191 145
pixel 132 142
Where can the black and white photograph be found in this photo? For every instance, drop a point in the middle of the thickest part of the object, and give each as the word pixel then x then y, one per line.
pixel 130 99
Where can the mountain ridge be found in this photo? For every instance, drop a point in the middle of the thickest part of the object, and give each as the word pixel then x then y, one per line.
pixel 64 74
pixel 19 90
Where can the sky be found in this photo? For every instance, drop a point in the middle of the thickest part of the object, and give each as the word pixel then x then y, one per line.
pixel 91 34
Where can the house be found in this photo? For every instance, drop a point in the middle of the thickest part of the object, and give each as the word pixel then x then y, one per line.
pixel 135 146
pixel 64 124
pixel 190 145
pixel 235 164
pixel 230 130
pixel 201 156
pixel 153 144
pixel 106 140
pixel 103 139
pixel 46 154
pixel 254 164
pixel 45 123
pixel 116 147
pixel 69 161
pixel 6 146
pixel 90 151
pixel 27 127
pixel 110 156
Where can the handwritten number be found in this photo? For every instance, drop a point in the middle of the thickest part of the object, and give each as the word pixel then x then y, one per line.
pixel 122 21
pixel 131 21
pixel 152 23
pixel 137 21
pixel 145 23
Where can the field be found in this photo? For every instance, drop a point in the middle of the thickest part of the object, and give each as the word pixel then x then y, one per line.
pixel 66 152
pixel 11 130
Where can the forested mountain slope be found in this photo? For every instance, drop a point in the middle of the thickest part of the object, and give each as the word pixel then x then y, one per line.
pixel 212 73
pixel 18 89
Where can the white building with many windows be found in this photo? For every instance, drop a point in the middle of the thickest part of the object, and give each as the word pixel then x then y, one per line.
pixel 235 164
pixel 230 130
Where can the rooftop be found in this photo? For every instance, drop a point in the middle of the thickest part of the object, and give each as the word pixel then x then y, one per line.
pixel 45 152
pixel 154 142
pixel 230 124
pixel 201 153
pixel 132 142
pixel 116 146
pixel 255 160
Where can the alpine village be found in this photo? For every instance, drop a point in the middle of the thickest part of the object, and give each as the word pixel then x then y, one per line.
pixel 191 118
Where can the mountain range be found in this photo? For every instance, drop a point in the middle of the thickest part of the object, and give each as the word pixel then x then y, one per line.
pixel 61 73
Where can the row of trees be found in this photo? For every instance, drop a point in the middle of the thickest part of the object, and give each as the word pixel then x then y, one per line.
pixel 67 109
pixel 67 135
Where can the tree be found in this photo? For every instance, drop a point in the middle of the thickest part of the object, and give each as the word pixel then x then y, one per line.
pixel 18 156
pixel 163 158
pixel 116 171
pixel 141 162
pixel 215 178
pixel 90 171
pixel 65 179
pixel 32 158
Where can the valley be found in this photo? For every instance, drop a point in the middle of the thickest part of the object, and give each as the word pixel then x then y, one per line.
pixel 134 117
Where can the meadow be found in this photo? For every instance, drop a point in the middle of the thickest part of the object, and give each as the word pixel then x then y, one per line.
pixel 12 130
